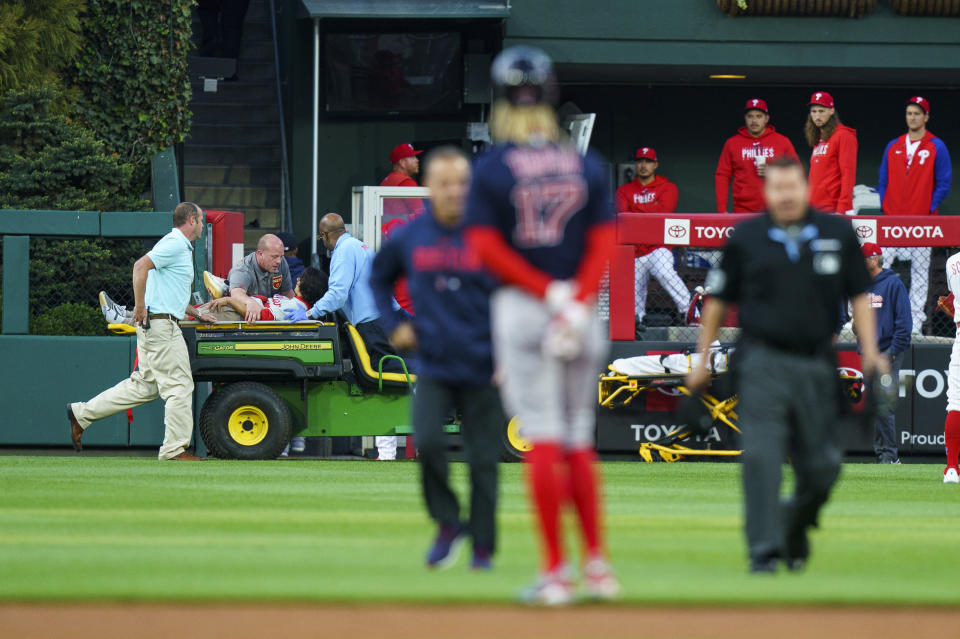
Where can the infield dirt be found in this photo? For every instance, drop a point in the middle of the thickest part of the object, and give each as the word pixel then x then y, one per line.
pixel 148 621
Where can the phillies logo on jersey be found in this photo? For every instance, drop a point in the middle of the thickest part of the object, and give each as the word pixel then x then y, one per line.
pixel 644 197
pixel 754 152
pixel 821 149
pixel 923 154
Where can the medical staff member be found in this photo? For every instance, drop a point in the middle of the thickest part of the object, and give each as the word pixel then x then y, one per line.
pixel 162 280
pixel 349 290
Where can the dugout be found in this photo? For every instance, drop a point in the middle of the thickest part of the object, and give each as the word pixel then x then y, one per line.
pixel 643 67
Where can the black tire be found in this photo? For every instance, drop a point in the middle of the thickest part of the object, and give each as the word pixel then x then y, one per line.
pixel 514 448
pixel 245 420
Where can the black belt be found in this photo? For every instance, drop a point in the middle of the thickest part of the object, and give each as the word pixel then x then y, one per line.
pixel 803 350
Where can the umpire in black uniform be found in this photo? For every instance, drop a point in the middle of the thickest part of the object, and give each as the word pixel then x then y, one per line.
pixel 788 270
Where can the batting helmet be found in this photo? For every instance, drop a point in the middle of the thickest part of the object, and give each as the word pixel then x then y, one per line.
pixel 524 76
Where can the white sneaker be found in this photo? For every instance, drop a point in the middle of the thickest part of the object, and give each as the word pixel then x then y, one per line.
pixel 550 589
pixel 599 582
pixel 216 286
pixel 298 444
pixel 951 476
pixel 112 312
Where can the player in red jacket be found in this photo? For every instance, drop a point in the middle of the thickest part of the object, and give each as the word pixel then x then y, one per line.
pixel 833 162
pixel 406 164
pixel 744 158
pixel 651 193
pixel 915 177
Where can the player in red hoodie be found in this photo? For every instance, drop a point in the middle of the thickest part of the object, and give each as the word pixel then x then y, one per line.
pixel 745 156
pixel 833 163
pixel 651 193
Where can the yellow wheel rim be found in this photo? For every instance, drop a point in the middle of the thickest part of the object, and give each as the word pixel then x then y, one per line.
pixel 516 440
pixel 248 425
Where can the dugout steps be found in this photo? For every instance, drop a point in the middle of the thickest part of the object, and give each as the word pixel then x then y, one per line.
pixel 232 158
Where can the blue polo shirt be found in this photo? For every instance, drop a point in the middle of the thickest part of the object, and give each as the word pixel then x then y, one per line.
pixel 349 284
pixel 169 284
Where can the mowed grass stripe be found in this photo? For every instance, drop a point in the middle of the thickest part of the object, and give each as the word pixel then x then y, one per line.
pixel 133 529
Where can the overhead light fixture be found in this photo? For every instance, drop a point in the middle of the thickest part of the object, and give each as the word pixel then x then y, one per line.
pixel 727 76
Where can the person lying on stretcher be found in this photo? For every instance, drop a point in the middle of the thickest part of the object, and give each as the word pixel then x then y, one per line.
pixel 310 287
pixel 673 364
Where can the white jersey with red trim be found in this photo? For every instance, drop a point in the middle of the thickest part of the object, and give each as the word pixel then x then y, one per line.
pixel 275 307
pixel 953 283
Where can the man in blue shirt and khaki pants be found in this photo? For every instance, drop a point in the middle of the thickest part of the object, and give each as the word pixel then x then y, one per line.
pixel 162 280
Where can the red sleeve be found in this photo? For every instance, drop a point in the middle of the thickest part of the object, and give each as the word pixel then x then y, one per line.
pixel 669 199
pixel 722 180
pixel 621 201
pixel 505 262
pixel 600 242
pixel 788 150
pixel 266 315
pixel 848 171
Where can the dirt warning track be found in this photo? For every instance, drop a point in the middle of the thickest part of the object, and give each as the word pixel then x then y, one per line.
pixel 41 621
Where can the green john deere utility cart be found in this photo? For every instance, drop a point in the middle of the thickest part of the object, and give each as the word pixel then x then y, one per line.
pixel 275 380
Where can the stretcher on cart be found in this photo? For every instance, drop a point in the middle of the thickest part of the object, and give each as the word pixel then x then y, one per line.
pixel 629 378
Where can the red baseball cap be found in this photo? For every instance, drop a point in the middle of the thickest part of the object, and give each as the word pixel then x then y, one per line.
pixel 923 103
pixel 870 249
pixel 646 153
pixel 756 104
pixel 822 98
pixel 401 151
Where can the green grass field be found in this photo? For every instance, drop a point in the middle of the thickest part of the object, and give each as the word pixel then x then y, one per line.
pixel 92 528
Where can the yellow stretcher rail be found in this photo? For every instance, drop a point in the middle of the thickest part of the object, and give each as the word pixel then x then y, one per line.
pixel 617 390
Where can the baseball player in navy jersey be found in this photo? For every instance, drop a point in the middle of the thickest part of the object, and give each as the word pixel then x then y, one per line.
pixel 451 332
pixel 540 217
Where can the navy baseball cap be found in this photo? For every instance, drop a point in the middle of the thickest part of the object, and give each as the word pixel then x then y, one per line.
pixel 289 241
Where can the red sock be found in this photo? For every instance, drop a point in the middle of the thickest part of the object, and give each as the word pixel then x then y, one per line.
pixel 547 489
pixel 586 495
pixel 951 434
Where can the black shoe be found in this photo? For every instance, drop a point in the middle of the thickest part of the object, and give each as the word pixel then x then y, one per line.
pixel 797 549
pixel 763 566
pixel 796 564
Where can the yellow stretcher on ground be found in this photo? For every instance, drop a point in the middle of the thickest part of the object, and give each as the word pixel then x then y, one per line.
pixel 627 379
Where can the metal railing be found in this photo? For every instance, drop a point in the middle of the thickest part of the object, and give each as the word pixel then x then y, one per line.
pixel 285 207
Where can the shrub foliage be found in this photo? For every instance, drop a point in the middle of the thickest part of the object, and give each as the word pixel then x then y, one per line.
pixel 132 72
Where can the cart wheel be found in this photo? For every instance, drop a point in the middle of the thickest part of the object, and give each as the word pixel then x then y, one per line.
pixel 245 420
pixel 514 444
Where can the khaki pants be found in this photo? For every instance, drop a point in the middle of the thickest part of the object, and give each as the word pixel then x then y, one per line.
pixel 164 371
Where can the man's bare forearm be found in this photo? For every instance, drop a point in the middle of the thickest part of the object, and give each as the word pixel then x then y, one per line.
pixel 240 295
pixel 141 268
